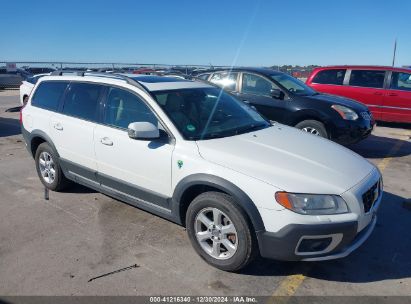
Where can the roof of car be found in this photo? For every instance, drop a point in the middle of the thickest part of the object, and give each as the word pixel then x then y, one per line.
pixel 148 82
pixel 366 67
pixel 160 83
pixel 259 70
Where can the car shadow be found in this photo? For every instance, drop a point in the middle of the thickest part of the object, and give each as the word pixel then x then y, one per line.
pixel 77 188
pixel 384 256
pixel 9 127
pixel 380 147
pixel 394 125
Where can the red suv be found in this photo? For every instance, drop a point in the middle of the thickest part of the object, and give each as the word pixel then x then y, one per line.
pixel 385 90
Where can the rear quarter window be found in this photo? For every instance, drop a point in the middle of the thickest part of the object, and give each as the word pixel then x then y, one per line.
pixel 335 77
pixel 48 94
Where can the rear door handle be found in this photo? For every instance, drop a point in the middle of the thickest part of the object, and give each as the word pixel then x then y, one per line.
pixel 58 126
pixel 392 94
pixel 106 141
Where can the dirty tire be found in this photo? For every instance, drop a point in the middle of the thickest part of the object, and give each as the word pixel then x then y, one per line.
pixel 246 245
pixel 316 126
pixel 59 182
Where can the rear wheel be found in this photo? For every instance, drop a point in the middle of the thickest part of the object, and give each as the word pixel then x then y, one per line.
pixel 314 127
pixel 219 231
pixel 48 168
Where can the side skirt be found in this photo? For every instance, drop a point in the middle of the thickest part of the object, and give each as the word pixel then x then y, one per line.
pixel 92 182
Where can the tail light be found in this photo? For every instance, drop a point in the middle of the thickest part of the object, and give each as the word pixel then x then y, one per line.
pixel 21 113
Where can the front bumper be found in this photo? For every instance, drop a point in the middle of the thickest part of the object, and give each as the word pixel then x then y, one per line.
pixel 283 245
pixel 349 132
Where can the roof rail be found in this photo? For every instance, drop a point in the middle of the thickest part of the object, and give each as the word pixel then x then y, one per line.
pixel 127 79
pixel 62 72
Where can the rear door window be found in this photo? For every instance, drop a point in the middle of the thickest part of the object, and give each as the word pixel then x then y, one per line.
pixel 335 77
pixel 257 85
pixel 48 94
pixel 401 81
pixel 367 78
pixel 82 100
pixel 226 80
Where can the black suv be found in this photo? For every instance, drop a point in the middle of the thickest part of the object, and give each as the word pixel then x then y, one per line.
pixel 285 99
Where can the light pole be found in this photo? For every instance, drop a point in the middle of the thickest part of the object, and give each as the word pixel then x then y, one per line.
pixel 395 50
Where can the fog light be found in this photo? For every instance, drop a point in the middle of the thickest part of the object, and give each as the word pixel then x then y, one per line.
pixel 313 245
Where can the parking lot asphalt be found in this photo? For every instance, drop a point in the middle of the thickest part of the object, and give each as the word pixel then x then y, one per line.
pixel 55 247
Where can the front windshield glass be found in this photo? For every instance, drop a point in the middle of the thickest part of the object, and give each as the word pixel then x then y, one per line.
pixel 204 113
pixel 293 85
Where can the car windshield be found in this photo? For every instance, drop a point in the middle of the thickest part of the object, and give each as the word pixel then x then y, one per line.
pixel 293 85
pixel 205 113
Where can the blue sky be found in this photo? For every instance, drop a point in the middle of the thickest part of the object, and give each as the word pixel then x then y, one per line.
pixel 260 32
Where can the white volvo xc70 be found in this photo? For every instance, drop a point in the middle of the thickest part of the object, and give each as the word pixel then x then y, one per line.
pixel 191 153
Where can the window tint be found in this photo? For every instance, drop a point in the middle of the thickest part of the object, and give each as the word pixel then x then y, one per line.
pixel 82 100
pixel 226 80
pixel 48 94
pixel 330 77
pixel 369 79
pixel 123 108
pixel 254 84
pixel 401 81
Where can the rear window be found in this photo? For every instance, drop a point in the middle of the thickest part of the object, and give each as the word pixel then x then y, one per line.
pixel 82 100
pixel 335 77
pixel 48 94
pixel 204 76
pixel 367 78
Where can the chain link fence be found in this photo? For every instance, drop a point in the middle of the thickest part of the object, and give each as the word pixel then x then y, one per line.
pixel 13 73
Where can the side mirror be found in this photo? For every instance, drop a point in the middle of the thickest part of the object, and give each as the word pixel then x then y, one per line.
pixel 277 94
pixel 143 130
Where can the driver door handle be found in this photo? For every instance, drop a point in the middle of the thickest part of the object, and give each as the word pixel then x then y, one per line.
pixel 106 141
pixel 58 126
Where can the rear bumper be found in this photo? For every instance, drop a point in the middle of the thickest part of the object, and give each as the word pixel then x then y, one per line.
pixel 285 244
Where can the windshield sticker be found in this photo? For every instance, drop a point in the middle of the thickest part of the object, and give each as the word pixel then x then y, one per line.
pixel 191 128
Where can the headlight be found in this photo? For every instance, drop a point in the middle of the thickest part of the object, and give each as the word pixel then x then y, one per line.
pixel 313 204
pixel 346 113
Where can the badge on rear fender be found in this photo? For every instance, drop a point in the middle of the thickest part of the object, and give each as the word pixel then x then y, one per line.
pixel 180 164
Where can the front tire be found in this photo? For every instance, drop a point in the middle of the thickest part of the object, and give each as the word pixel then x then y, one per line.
pixel 220 232
pixel 48 168
pixel 314 127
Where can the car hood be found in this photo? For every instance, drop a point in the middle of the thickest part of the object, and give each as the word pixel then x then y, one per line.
pixel 289 159
pixel 334 99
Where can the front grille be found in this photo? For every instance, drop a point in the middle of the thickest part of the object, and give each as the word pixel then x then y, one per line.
pixel 370 196
pixel 366 115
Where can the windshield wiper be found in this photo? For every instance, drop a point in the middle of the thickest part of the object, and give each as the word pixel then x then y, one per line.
pixel 250 128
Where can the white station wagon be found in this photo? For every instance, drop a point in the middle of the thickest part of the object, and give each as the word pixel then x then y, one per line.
pixel 193 154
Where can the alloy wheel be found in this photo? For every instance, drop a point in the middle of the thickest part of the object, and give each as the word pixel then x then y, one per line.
pixel 311 130
pixel 47 167
pixel 216 233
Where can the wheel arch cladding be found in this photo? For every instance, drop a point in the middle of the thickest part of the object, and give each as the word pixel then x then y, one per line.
pixel 193 185
pixel 38 137
pixel 308 115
